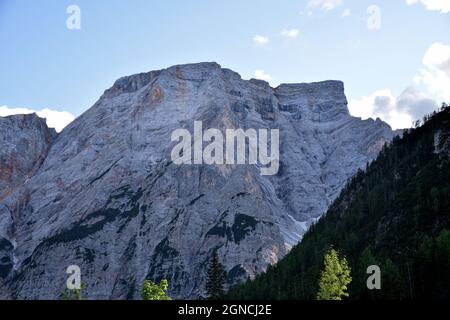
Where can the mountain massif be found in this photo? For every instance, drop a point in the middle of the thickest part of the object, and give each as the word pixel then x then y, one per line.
pixel 105 195
pixel 395 215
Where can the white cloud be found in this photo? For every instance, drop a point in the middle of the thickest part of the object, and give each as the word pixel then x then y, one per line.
pixel 260 40
pixel 412 104
pixel 435 74
pixel 324 5
pixel 290 33
pixel 346 13
pixel 55 119
pixel 398 112
pixel 442 6
pixel 262 75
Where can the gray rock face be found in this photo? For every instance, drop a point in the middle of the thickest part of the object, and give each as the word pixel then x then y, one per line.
pixel 24 144
pixel 109 199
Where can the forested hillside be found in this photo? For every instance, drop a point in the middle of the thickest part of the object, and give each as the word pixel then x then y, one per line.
pixel 395 214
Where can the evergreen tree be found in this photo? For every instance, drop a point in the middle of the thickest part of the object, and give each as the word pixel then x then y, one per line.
pixel 335 277
pixel 215 285
pixel 153 291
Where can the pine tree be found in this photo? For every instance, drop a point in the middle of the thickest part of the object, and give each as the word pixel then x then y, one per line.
pixel 153 291
pixel 335 277
pixel 215 285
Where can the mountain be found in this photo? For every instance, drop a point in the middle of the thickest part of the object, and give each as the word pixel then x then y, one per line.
pixel 109 199
pixel 395 214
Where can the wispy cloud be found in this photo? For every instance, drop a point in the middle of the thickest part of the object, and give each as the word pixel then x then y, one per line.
pixel 346 13
pixel 442 6
pixel 262 75
pixel 323 5
pixel 260 40
pixel 290 33
pixel 55 119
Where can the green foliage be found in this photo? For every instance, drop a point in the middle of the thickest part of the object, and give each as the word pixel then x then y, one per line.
pixel 215 284
pixel 395 214
pixel 75 294
pixel 153 291
pixel 335 277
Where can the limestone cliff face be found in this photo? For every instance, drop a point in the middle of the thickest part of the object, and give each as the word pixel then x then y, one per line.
pixel 25 141
pixel 24 144
pixel 109 199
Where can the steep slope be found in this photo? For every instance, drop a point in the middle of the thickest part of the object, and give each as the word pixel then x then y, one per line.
pixel 24 144
pixel 109 199
pixel 395 215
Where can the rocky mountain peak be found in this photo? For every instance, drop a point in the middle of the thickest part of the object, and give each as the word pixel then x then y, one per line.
pixel 24 143
pixel 326 98
pixel 109 199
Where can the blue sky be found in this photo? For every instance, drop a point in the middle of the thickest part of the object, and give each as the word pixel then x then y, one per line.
pixel 391 72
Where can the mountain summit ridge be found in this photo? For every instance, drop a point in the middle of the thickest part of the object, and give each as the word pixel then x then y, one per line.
pixel 139 80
